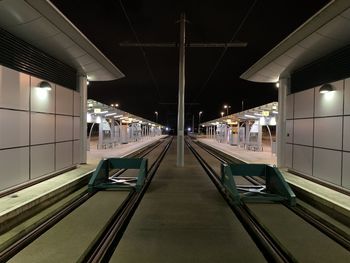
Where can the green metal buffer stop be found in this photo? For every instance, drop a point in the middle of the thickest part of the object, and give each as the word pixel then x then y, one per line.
pixel 275 189
pixel 103 180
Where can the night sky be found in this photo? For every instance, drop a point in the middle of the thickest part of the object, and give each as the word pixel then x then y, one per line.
pixel 151 82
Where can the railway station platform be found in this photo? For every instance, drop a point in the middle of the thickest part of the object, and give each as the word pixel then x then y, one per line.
pixel 16 205
pixel 327 198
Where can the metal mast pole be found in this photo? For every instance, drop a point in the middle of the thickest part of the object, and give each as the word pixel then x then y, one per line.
pixel 181 101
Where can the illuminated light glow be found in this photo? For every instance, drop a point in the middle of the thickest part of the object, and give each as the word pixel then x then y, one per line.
pixel 97 110
pixel 274 107
pixel 88 117
pixel 203 125
pixel 42 94
pixel 277 84
pixel 98 119
pixel 275 112
pixel 90 105
pixel 103 112
pixel 328 96
pixel 250 116
pixel 262 121
pixel 166 128
pixel 111 114
pixel 189 129
pixel 272 121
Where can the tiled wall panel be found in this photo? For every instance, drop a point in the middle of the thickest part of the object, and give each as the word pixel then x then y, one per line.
pixel 346 136
pixel 42 159
pixel 42 128
pixel 346 170
pixel 290 106
pixel 303 131
pixel 64 100
pixel 76 152
pixel 289 131
pixel 14 89
pixel 302 159
pixel 64 128
pixel 14 173
pixel 76 135
pixel 64 155
pixel 14 128
pixel 328 132
pixel 289 155
pixel 304 104
pixel 76 106
pixel 327 165
pixel 347 97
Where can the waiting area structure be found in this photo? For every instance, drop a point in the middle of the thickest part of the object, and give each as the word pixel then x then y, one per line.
pixel 116 126
pixel 252 130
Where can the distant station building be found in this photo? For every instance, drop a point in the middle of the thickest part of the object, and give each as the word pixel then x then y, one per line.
pixel 312 69
pixel 45 62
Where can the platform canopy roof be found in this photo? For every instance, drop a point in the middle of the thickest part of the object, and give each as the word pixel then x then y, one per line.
pixel 41 24
pixel 268 110
pixel 325 32
pixel 97 109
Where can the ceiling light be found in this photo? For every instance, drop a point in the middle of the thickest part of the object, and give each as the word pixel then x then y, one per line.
pixel 325 88
pixel 45 85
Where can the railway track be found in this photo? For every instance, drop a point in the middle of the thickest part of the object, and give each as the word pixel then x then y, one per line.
pixel 117 223
pixel 273 245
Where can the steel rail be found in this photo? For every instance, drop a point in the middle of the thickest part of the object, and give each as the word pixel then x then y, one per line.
pixel 105 246
pixel 299 210
pixel 25 240
pixel 272 251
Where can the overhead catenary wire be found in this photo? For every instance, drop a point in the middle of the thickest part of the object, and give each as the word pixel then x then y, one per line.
pixel 142 50
pixel 225 48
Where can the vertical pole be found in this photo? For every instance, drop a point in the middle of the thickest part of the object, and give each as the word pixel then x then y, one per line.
pixel 281 122
pixel 83 122
pixel 181 103
pixel 192 123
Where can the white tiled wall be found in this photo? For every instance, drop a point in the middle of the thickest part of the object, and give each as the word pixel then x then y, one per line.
pixel 64 100
pixel 327 165
pixel 303 131
pixel 76 152
pixel 346 170
pixel 14 128
pixel 347 97
pixel 322 122
pixel 346 137
pixel 289 155
pixel 39 129
pixel 302 159
pixel 76 106
pixel 328 132
pixel 304 104
pixel 14 89
pixel 14 173
pixel 42 128
pixel 76 135
pixel 64 155
pixel 64 128
pixel 289 131
pixel 42 160
pixel 290 106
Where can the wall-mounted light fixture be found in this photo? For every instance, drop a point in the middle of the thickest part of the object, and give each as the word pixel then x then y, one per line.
pixel 325 88
pixel 45 85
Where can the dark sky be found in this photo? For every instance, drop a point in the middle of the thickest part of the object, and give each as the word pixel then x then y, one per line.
pixel 151 82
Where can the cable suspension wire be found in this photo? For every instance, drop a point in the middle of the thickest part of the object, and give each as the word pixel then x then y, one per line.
pixel 225 48
pixel 142 50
